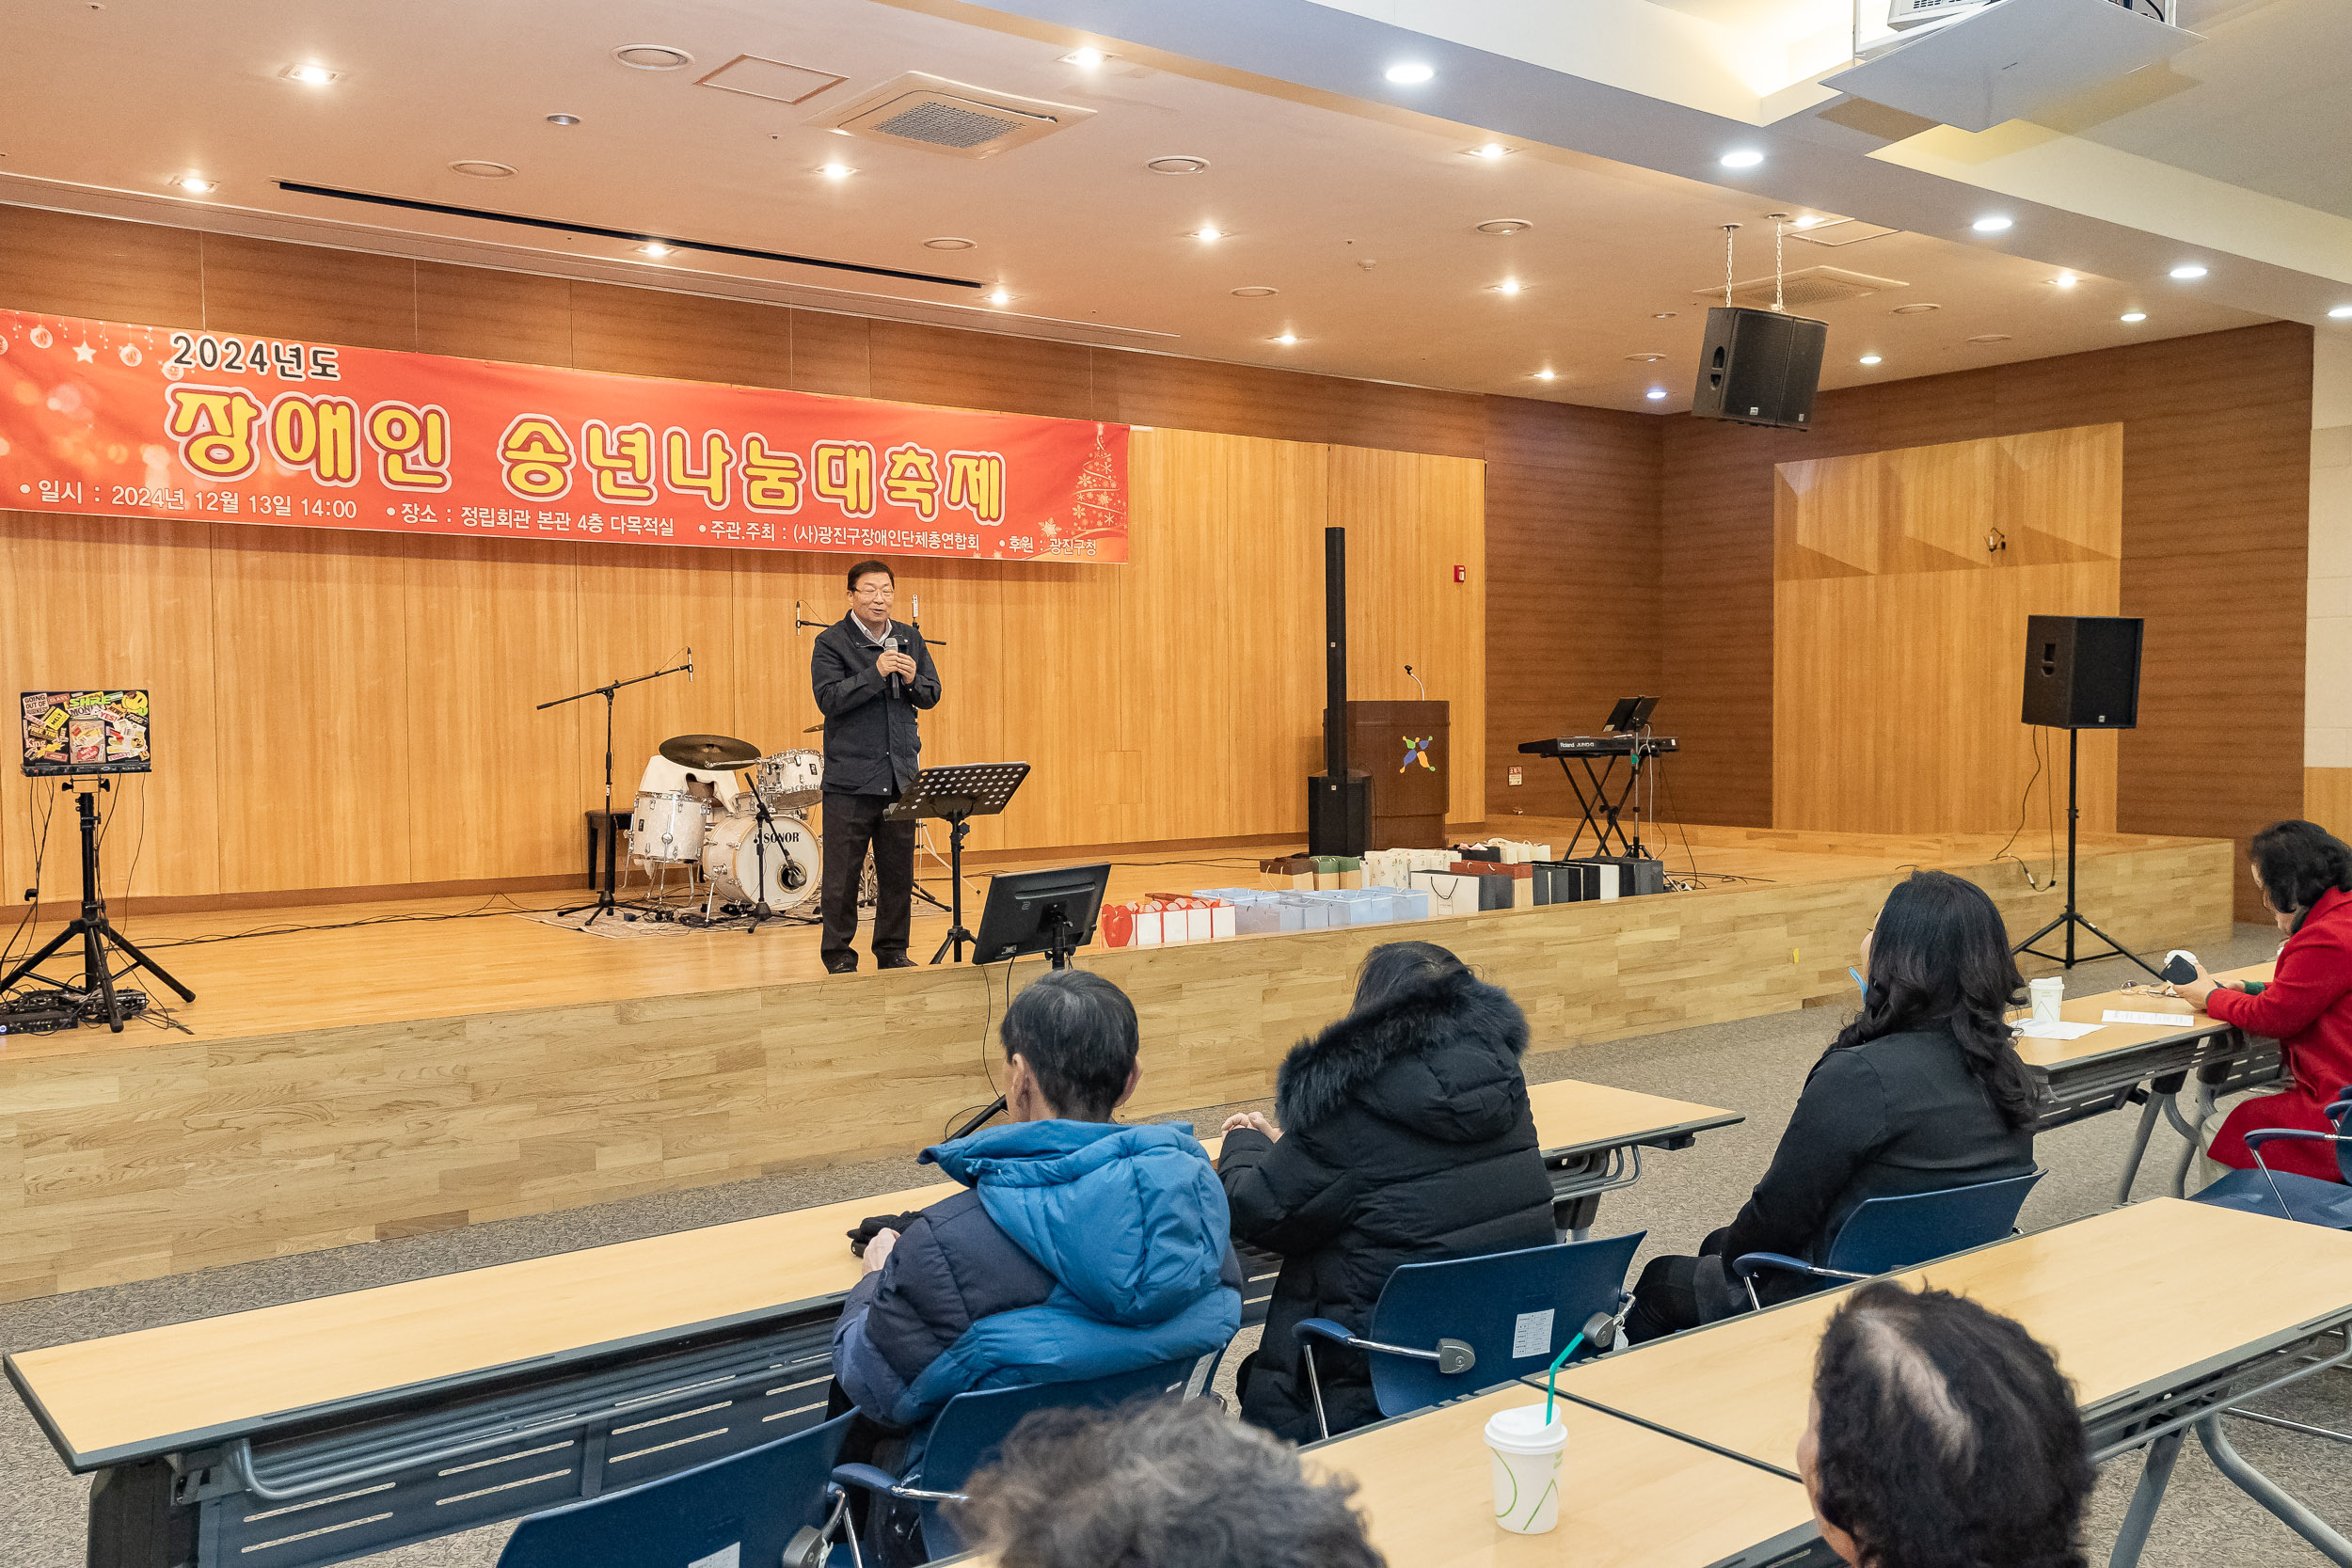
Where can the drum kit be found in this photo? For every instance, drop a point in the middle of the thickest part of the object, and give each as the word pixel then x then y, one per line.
pixel 754 848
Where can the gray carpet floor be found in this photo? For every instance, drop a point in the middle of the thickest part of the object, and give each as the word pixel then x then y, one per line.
pixel 1756 1067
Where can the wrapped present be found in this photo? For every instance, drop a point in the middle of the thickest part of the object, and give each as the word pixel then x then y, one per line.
pixel 1314 914
pixel 1387 867
pixel 1289 871
pixel 1448 892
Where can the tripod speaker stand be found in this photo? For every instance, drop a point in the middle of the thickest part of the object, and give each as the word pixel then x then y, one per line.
pixel 2072 919
pixel 97 973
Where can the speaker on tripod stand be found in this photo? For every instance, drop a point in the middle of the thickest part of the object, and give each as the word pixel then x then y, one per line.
pixel 2082 672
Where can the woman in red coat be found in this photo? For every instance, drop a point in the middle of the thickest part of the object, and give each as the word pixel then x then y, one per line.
pixel 2305 876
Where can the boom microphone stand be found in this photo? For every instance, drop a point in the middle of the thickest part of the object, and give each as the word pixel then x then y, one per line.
pixel 605 903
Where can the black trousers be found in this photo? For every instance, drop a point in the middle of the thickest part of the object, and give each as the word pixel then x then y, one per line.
pixel 851 823
pixel 1675 1293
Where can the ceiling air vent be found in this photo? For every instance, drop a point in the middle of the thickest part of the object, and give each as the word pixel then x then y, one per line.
pixel 1805 289
pixel 939 116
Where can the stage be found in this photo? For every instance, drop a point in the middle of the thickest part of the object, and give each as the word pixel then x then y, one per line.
pixel 332 1086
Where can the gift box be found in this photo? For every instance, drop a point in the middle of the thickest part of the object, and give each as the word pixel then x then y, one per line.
pixel 1448 892
pixel 1314 914
pixel 1334 872
pixel 1266 915
pixel 1289 871
pixel 1407 904
pixel 1364 907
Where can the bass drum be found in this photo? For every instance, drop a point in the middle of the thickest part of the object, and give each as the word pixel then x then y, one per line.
pixel 731 862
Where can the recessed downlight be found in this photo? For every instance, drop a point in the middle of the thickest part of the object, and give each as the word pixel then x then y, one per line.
pixel 1504 226
pixel 563 120
pixel 196 185
pixel 1256 290
pixel 1508 286
pixel 1869 359
pixel 949 241
pixel 1177 163
pixel 835 171
pixel 1656 394
pixel 652 56
pixel 1646 358
pixel 2134 316
pixel 1087 59
pixel 1992 223
pixel 2341 312
pixel 1913 309
pixel 2187 271
pixel 2064 280
pixel 1286 339
pixel 482 168
pixel 1000 295
pixel 1544 375
pixel 309 75
pixel 1742 157
pixel 1209 233
pixel 1807 221
pixel 1490 151
pixel 654 249
pixel 1409 73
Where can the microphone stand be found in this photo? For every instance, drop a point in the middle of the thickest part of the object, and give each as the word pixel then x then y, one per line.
pixel 605 903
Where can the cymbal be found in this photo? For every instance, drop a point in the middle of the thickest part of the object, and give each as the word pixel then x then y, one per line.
pixel 710 753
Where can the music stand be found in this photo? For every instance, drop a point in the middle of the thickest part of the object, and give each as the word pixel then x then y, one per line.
pixel 955 795
pixel 1051 913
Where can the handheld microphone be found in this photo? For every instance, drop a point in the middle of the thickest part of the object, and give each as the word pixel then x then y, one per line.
pixel 890 645
pixel 689 666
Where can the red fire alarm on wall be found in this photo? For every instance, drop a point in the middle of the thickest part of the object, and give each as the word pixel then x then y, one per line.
pixel 1461 574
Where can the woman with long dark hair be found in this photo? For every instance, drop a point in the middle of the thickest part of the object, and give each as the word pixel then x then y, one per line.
pixel 1921 1091
pixel 2305 873
pixel 1406 1135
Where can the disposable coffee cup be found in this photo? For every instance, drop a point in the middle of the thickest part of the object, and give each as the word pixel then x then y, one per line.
pixel 1527 1454
pixel 2047 993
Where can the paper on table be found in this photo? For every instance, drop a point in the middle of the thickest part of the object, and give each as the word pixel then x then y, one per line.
pixel 2162 1021
pixel 2054 1030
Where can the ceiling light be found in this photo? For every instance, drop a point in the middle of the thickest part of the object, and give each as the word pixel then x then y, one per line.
pixel 2135 315
pixel 1804 223
pixel 197 184
pixel 1086 59
pixel 1646 358
pixel 2064 280
pixel 652 56
pixel 1287 339
pixel 1508 286
pixel 1491 150
pixel 1990 337
pixel 1178 163
pixel 563 120
pixel 1256 290
pixel 835 171
pixel 1543 375
pixel 1663 316
pixel 1504 226
pixel 1745 157
pixel 1913 310
pixel 482 168
pixel 309 75
pixel 2341 312
pixel 1992 225
pixel 1869 358
pixel 1208 233
pixel 998 296
pixel 1656 394
pixel 2188 271
pixel 1406 74
pixel 949 241
pixel 656 248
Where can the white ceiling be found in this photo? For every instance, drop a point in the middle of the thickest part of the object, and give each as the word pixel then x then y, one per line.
pixel 1091 245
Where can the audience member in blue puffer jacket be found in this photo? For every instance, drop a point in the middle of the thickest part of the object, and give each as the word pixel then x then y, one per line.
pixel 1083 1247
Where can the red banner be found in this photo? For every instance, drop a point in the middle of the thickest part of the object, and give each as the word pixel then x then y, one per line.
pixel 145 421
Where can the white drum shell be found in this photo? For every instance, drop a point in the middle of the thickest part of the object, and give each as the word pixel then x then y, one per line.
pixel 731 862
pixel 790 778
pixel 668 826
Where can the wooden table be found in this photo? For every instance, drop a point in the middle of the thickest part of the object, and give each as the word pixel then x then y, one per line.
pixel 2099 1073
pixel 1629 1498
pixel 2162 1314
pixel 728 1323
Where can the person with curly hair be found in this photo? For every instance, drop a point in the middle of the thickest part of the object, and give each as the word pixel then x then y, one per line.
pixel 1943 1435
pixel 1173 1483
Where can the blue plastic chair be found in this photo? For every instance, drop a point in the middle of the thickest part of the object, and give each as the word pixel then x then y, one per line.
pixel 1442 1330
pixel 971 1428
pixel 2304 1199
pixel 1890 1233
pixel 767 1503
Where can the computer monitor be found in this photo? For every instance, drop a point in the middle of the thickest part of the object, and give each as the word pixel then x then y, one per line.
pixel 1041 912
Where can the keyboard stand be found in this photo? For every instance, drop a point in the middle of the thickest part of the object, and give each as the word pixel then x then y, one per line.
pixel 1600 812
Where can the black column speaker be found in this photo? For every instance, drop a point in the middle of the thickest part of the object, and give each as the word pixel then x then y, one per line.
pixel 2082 671
pixel 1760 367
pixel 1339 800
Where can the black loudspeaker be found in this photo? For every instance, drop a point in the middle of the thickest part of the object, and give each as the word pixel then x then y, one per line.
pixel 1339 800
pixel 2082 671
pixel 1760 367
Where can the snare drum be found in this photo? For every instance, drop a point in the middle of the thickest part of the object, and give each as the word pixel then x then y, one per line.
pixel 668 825
pixel 790 780
pixel 786 875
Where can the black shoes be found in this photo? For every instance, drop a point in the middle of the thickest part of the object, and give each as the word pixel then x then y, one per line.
pixel 841 966
pixel 895 961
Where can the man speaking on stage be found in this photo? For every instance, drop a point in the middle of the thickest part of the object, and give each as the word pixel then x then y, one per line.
pixel 871 676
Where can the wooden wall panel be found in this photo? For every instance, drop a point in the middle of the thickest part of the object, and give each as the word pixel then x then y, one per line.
pixel 104 601
pixel 337 296
pixel 1894 690
pixel 640 608
pixel 2328 798
pixel 480 315
pixel 2215 460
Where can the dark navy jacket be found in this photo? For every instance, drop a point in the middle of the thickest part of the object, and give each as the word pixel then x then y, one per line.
pixel 1083 1249
pixel 872 744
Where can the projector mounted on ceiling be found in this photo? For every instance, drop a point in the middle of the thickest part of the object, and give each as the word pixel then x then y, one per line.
pixel 1978 66
pixel 1903 15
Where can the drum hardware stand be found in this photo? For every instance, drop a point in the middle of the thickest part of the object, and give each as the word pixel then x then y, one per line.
pixel 605 903
pixel 2071 918
pixel 759 913
pixel 956 793
pixel 91 925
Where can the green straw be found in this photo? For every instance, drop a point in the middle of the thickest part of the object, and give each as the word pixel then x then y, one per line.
pixel 1552 1372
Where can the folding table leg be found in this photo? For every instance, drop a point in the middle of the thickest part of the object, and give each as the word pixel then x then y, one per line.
pixel 2155 1472
pixel 2147 1114
pixel 2260 1487
pixel 133 1522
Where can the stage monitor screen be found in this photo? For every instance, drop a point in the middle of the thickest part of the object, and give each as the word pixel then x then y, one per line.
pixel 74 733
pixel 1021 910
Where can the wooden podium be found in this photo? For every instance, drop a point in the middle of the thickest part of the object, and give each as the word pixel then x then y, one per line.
pixel 1390 741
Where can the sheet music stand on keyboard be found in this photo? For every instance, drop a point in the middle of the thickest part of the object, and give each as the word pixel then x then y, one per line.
pixel 955 795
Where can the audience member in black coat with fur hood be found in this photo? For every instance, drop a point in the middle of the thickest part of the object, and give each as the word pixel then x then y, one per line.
pixel 1406 1137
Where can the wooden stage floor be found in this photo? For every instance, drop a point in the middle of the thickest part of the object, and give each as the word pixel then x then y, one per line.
pixel 346 1082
